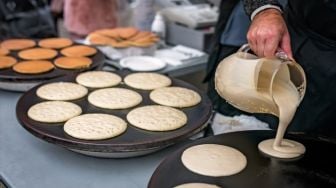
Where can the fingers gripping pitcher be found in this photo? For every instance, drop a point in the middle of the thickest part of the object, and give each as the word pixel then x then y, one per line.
pixel 263 85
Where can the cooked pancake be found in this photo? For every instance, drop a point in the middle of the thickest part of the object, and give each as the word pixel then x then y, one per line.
pixel 61 91
pixel 55 43
pixel 17 44
pixel 37 54
pixel 127 32
pixel 144 39
pixel 54 111
pixel 95 126
pixel 78 51
pixel 33 67
pixel 141 44
pixel 120 44
pixel 108 33
pixel 147 81
pixel 98 79
pixel 157 118
pixel 98 39
pixel 3 51
pixel 6 62
pixel 73 62
pixel 141 34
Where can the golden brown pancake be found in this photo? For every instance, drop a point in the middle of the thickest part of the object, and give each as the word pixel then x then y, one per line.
pixel 127 32
pixel 141 44
pixel 73 62
pixel 37 54
pixel 33 67
pixel 143 39
pixel 108 33
pixel 78 51
pixel 121 44
pixel 55 43
pixel 97 39
pixel 141 34
pixel 3 51
pixel 7 61
pixel 17 44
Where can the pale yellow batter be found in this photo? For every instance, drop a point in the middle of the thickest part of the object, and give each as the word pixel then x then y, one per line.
pixel 287 98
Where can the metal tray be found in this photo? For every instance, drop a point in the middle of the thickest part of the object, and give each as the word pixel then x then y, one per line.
pixel 317 168
pixel 133 142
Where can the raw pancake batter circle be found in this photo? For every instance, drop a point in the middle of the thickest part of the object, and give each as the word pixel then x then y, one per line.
pixel 54 111
pixel 147 81
pixel 114 98
pixel 98 79
pixel 213 160
pixel 157 118
pixel 95 126
pixel 175 97
pixel 61 91
pixel 291 149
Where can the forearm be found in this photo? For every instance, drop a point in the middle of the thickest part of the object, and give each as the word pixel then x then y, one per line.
pixel 252 6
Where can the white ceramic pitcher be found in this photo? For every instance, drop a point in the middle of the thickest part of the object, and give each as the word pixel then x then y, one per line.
pixel 242 77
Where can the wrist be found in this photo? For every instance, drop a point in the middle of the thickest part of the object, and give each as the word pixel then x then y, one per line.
pixel 266 9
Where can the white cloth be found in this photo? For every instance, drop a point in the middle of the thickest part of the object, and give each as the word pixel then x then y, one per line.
pixel 225 124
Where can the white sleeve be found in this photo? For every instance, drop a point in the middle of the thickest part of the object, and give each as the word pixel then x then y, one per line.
pixel 256 11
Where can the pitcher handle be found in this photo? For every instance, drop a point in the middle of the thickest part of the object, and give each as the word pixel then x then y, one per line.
pixel 279 53
pixel 244 48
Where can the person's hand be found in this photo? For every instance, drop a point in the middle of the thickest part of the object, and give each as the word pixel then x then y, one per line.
pixel 268 33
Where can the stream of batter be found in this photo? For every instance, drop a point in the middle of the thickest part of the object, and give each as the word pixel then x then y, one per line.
pixel 287 98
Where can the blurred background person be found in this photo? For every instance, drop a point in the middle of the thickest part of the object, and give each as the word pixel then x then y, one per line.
pixel 82 17
pixel 26 19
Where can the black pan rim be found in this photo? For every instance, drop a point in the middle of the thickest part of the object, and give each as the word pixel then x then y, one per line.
pixel 155 178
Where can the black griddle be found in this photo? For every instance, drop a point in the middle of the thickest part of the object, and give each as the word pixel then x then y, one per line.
pixel 134 139
pixel 316 169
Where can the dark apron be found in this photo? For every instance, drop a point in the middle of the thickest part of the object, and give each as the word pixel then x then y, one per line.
pixel 219 52
pixel 26 19
pixel 312 26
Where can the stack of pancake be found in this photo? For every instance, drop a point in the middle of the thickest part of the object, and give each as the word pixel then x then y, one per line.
pixel 122 37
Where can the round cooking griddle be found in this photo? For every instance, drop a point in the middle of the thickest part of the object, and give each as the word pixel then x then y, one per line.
pixel 317 168
pixel 11 80
pixel 133 142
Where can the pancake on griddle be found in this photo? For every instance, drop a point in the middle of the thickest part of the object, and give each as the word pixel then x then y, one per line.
pixel 7 61
pixel 33 67
pixel 78 51
pixel 17 44
pixel 73 62
pixel 37 54
pixel 55 43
